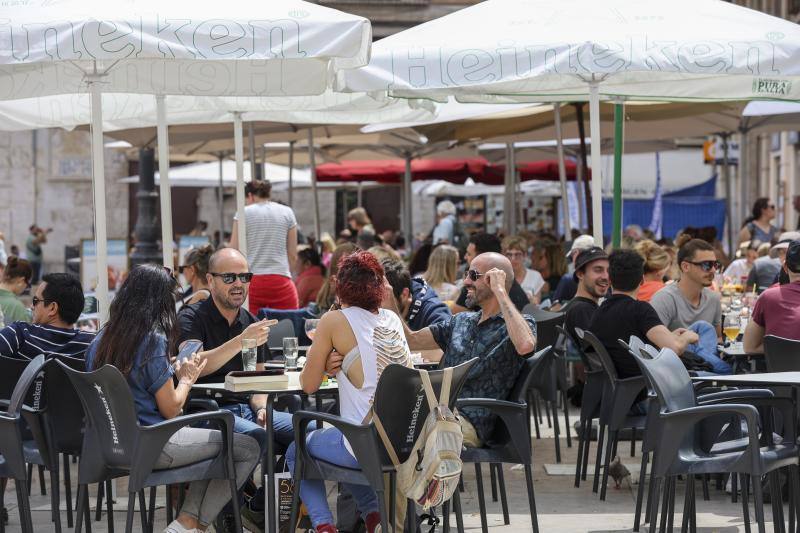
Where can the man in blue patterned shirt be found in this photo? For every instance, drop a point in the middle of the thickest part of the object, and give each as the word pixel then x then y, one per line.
pixel 498 335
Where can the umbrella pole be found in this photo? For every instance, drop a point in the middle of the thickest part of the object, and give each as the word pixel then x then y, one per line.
pixel 407 222
pixel 238 148
pixel 313 165
pixel 291 171
pixel 616 238
pixel 726 173
pixel 562 172
pixel 221 200
pixel 583 183
pixel 99 190
pixel 251 144
pixel 597 163
pixel 165 192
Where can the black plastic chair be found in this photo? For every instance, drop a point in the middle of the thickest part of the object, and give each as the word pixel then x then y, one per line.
pixel 284 328
pixel 399 400
pixel 781 354
pixel 115 445
pixel 12 455
pixel 619 396
pixel 511 441
pixel 680 448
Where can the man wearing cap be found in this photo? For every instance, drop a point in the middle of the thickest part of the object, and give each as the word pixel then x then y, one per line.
pixel 766 269
pixel 567 287
pixel 691 304
pixel 777 310
pixel 591 277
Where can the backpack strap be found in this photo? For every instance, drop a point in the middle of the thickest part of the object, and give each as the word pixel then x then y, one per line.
pixel 447 379
pixel 371 416
pixel 428 387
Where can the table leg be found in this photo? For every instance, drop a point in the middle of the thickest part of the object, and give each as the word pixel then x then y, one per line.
pixel 269 459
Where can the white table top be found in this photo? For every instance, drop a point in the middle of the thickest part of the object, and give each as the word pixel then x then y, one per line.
pixel 767 378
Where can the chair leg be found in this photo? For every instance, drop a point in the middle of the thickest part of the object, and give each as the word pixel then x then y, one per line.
pixel 586 445
pixel 758 499
pixel 777 501
pixel 531 498
pixel 566 419
pixel 579 460
pixel 637 517
pixel 652 501
pixel 42 487
pixel 599 457
pixel 493 481
pixel 411 516
pixel 458 512
pixel 445 517
pixel 169 504
pixel 23 488
pixel 633 442
pixel 794 473
pixel 745 501
pixel 557 433
pixel 547 412
pixel 30 476
pixel 151 509
pixel 129 516
pixel 665 505
pixel 687 505
pixel 734 488
pixel 537 416
pixel 503 498
pixel 790 473
pixel 612 438
pixel 381 508
pixel 98 510
pixel 237 512
pixel 392 496
pixel 55 497
pixel 671 514
pixel 3 483
pixel 67 489
pixel 481 499
pixel 706 495
pixel 110 506
pixel 82 495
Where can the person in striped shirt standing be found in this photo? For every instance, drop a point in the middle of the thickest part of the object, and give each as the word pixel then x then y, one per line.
pixel 57 304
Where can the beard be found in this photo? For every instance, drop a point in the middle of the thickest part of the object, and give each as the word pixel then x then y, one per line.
pixel 475 297
pixel 229 301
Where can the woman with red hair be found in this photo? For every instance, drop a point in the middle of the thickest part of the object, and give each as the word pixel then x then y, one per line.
pixel 372 338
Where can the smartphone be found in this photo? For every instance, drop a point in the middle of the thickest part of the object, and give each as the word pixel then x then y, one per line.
pixel 188 347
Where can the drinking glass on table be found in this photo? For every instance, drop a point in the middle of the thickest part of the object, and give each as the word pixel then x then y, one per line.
pixel 290 352
pixel 731 326
pixel 311 327
pixel 249 354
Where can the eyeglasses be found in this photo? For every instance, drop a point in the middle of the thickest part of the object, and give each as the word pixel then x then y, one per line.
pixel 230 277
pixel 472 274
pixel 36 301
pixel 707 266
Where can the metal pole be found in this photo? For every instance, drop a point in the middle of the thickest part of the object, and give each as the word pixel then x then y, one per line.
pixel 221 200
pixel 312 163
pixel 165 192
pixel 251 148
pixel 360 193
pixel 291 172
pixel 238 148
pixel 597 163
pixel 616 237
pixel 562 172
pixel 583 183
pixel 726 175
pixel 507 186
pixel 744 173
pixel 99 190
pixel 512 165
pixel 407 219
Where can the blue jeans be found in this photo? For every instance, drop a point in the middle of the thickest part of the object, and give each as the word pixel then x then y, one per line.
pixel 327 444
pixel 245 423
pixel 706 347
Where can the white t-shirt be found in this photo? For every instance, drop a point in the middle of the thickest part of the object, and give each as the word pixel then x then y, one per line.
pixel 738 269
pixel 532 283
pixel 267 225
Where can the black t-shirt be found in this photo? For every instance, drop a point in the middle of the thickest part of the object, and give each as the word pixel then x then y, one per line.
pixel 517 295
pixel 579 314
pixel 619 317
pixel 203 321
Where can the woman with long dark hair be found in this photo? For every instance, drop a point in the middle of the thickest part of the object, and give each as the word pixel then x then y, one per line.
pixel 309 275
pixel 758 226
pixel 138 339
pixel 16 278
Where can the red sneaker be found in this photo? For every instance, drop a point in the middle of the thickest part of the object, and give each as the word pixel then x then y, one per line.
pixel 373 522
pixel 326 528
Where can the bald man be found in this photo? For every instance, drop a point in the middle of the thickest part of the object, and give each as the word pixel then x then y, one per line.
pixel 498 335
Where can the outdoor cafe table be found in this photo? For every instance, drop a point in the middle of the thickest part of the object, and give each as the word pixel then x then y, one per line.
pixel 213 389
pixel 767 379
pixel 740 360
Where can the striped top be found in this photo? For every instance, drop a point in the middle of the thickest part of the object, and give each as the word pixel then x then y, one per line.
pixel 267 225
pixel 25 341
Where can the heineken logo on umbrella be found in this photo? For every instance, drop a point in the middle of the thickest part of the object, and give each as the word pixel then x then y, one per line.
pixel 771 87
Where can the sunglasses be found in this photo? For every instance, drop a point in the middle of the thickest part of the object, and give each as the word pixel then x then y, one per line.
pixel 472 274
pixel 230 277
pixel 707 266
pixel 36 301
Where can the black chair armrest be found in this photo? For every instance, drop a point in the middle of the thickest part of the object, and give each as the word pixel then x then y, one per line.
pixel 785 406
pixel 514 416
pixel 625 393
pixel 152 440
pixel 498 407
pixel 734 394
pixel 194 405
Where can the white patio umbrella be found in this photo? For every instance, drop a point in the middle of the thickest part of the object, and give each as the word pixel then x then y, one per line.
pixel 180 47
pixel 507 51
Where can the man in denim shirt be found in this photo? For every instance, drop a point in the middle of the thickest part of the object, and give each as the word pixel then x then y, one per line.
pixel 498 335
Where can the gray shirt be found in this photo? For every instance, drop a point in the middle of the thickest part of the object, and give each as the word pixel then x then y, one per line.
pixel 763 273
pixel 676 312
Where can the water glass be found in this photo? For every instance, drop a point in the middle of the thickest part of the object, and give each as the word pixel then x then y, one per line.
pixel 290 352
pixel 249 354
pixel 311 327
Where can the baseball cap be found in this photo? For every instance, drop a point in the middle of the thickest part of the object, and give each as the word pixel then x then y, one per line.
pixel 583 242
pixel 587 256
pixel 793 256
pixel 785 238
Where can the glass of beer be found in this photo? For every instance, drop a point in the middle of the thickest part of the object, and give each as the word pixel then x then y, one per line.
pixel 731 326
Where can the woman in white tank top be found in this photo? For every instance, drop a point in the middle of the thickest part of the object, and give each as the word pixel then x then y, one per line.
pixel 371 339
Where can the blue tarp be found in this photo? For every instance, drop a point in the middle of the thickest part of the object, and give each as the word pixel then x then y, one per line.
pixel 707 188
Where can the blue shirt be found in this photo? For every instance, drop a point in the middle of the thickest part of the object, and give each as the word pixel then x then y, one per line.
pixel 22 340
pixel 151 369
pixel 494 374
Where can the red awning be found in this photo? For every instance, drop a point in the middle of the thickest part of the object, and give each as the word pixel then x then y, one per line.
pixel 452 170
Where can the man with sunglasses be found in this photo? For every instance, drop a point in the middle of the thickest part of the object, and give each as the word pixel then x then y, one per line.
pixel 497 334
pixel 690 303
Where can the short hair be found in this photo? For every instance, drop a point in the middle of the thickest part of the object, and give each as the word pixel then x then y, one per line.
pixel 258 188
pixel 445 207
pixel 66 291
pixel 359 214
pixel 688 250
pixel 398 275
pixel 485 242
pixel 625 270
pixel 359 281
pixel 515 242
pixel 17 268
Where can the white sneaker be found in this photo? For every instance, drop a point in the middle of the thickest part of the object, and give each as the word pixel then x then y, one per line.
pixel 177 527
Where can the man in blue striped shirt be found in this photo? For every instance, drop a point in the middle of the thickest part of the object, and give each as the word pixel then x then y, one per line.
pixel 57 304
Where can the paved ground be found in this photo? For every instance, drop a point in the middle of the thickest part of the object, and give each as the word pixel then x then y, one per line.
pixel 561 506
